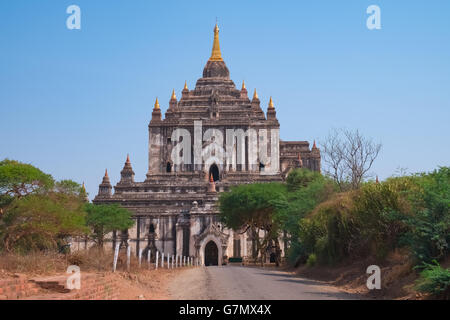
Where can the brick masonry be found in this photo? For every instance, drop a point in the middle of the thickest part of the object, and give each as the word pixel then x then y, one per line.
pixel 93 287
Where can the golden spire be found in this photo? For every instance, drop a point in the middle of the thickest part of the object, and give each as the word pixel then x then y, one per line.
pixel 173 97
pixel 255 95
pixel 83 187
pixel 106 172
pixel 156 104
pixel 215 54
pixel 243 85
pixel 271 104
pixel 185 86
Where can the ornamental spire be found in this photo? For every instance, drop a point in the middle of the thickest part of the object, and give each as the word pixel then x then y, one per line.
pixel 271 104
pixel 243 85
pixel 156 104
pixel 215 54
pixel 173 97
pixel 185 86
pixel 255 95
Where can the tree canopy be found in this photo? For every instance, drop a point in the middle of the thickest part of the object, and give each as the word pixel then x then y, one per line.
pixel 104 219
pixel 18 179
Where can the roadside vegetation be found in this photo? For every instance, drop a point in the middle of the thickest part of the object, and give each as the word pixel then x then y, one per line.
pixel 41 215
pixel 342 217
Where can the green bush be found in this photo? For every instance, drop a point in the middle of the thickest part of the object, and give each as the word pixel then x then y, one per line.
pixel 312 260
pixel 429 224
pixel 435 280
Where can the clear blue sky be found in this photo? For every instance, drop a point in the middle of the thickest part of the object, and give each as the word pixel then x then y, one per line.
pixel 74 102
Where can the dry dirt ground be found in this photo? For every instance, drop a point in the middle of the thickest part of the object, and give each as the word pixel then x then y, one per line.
pixel 146 285
pixel 397 277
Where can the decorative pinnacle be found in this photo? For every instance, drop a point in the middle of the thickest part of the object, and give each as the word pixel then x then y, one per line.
pixel 185 86
pixel 216 55
pixel 156 104
pixel 271 104
pixel 106 173
pixel 173 97
pixel 243 85
pixel 255 95
pixel 128 158
pixel 83 187
pixel 314 145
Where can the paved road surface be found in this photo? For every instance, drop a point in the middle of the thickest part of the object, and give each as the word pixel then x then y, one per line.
pixel 233 282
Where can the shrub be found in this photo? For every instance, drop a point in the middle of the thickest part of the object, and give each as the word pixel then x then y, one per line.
pixel 435 280
pixel 429 224
pixel 312 259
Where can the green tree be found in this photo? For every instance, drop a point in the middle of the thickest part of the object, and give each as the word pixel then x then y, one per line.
pixel 104 219
pixel 251 207
pixel 41 221
pixel 429 223
pixel 19 179
pixel 300 178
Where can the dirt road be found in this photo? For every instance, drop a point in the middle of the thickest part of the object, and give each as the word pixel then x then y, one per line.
pixel 234 282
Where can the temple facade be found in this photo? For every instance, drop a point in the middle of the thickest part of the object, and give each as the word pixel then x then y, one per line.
pixel 212 138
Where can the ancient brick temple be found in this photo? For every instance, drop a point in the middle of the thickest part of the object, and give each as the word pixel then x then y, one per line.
pixel 175 207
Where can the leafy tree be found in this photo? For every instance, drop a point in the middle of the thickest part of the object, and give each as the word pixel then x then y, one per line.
pixel 300 178
pixel 41 221
pixel 104 219
pixel 251 207
pixel 307 190
pixel 19 179
pixel 70 187
pixel 429 223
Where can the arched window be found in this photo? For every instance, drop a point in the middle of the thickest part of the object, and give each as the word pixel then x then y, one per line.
pixel 169 167
pixel 214 172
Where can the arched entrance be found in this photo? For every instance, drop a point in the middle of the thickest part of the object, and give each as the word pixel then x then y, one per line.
pixel 214 172
pixel 211 254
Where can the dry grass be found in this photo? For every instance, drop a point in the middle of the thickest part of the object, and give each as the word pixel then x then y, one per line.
pixel 46 263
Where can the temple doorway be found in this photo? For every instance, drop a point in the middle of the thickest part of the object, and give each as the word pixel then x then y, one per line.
pixel 214 172
pixel 211 254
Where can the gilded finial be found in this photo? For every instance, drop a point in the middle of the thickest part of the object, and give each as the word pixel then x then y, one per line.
pixel 243 85
pixel 83 187
pixel 156 104
pixel 185 86
pixel 173 97
pixel 106 172
pixel 271 104
pixel 255 95
pixel 216 55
